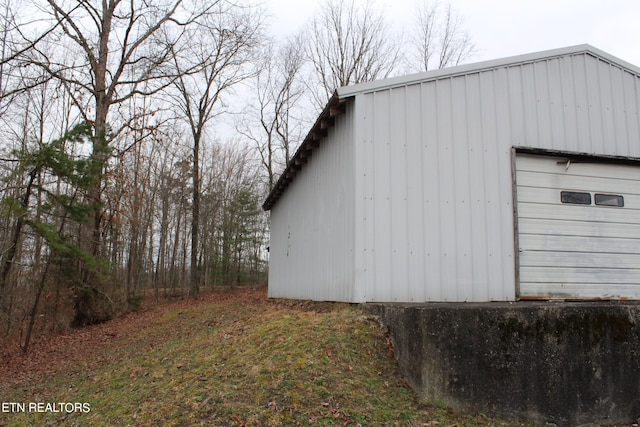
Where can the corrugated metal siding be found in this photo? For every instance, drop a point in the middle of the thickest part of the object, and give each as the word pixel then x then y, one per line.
pixel 312 233
pixel 433 196
pixel 576 103
pixel 577 251
pixel 445 231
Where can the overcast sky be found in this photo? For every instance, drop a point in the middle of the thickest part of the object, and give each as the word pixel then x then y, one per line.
pixel 502 28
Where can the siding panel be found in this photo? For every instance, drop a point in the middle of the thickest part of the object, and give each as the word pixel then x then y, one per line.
pixel 382 175
pixel 477 195
pixel 461 196
pixel 492 130
pixel 397 174
pixel 508 118
pixel 584 134
pixel 366 236
pixel 416 215
pixel 312 224
pixel 433 194
pixel 631 115
pixel 446 204
pixel 594 103
pixel 569 137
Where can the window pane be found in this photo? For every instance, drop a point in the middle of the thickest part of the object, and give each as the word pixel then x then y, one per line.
pixel 575 198
pixel 609 200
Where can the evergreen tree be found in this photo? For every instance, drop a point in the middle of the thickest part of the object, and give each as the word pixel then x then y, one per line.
pixel 64 205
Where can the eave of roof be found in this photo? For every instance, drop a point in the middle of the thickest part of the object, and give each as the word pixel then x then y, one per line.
pixel 318 132
pixel 336 104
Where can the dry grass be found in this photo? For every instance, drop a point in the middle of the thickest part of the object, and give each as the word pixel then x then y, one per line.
pixel 230 359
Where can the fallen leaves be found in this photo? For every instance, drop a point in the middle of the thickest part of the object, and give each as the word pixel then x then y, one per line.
pixel 239 421
pixel 230 358
pixel 81 347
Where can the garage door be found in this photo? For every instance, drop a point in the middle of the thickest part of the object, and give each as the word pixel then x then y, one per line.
pixel 578 225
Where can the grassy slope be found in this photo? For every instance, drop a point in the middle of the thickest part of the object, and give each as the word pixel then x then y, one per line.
pixel 235 359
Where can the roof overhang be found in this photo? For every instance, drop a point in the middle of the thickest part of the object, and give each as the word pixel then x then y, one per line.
pixel 312 141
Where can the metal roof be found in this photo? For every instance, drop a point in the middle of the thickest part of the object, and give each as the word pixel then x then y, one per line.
pixel 336 104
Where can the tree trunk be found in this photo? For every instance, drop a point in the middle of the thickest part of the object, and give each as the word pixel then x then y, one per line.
pixel 17 231
pixel 195 223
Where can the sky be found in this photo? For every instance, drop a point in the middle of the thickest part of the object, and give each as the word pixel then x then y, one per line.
pixel 502 28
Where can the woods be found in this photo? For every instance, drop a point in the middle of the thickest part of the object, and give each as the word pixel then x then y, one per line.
pixel 141 137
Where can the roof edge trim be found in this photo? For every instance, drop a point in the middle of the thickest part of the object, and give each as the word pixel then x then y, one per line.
pixel 348 91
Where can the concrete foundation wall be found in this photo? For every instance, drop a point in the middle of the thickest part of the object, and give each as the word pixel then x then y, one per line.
pixel 566 363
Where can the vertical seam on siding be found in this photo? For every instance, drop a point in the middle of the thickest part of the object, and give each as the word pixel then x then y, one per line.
pixel 423 240
pixel 469 203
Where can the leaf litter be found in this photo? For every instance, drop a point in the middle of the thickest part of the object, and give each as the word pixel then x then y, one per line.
pixel 230 358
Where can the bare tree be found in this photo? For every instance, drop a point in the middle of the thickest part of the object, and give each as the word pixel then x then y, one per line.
pixel 8 27
pixel 235 226
pixel 216 58
pixel 439 38
pixel 167 182
pixel 113 56
pixel 288 95
pixel 105 64
pixel 17 18
pixel 273 123
pixel 347 44
pixel 5 23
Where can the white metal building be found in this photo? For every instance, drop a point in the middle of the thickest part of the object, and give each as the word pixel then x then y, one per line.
pixel 507 179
